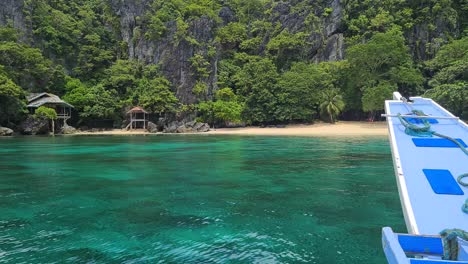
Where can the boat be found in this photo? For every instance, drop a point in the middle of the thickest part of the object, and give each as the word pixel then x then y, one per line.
pixel 430 159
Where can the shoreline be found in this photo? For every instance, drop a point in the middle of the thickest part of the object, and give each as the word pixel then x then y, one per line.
pixel 341 128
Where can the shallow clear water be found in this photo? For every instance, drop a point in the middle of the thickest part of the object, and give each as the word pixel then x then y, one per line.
pixel 210 199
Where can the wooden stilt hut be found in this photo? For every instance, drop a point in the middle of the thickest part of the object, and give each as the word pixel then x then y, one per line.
pixel 137 116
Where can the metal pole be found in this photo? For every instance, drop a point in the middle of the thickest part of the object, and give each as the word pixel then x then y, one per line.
pixel 423 117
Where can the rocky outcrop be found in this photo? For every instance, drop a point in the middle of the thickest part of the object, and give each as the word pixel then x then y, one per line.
pixel 66 130
pixel 5 131
pixel 173 53
pixel 424 42
pixel 34 126
pixel 189 127
pixel 152 127
pixel 12 12
pixel 325 40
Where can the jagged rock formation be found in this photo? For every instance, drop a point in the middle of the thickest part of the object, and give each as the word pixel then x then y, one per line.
pixel 11 13
pixel 34 126
pixel 172 56
pixel 181 127
pixel 5 131
pixel 66 130
pixel 152 127
pixel 327 42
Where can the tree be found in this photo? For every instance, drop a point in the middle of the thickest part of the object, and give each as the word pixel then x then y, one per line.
pixel 123 76
pixel 450 63
pixel 155 95
pixel 454 97
pixel 299 90
pixel 233 33
pixel 373 98
pixel 450 81
pixel 25 66
pixel 94 102
pixel 47 113
pixel 11 103
pixel 257 81
pixel 331 104
pixel 225 109
pixel 384 58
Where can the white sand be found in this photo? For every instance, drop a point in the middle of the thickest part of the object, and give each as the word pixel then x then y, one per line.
pixel 342 128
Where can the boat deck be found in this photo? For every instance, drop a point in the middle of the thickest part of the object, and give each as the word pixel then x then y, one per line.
pixel 431 167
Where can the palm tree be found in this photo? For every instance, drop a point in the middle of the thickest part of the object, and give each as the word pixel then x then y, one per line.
pixel 332 104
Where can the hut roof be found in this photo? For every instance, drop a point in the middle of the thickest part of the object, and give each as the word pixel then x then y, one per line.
pixel 137 109
pixel 36 100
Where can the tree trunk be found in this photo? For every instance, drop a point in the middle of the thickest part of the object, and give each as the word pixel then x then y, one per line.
pixel 53 127
pixel 331 118
pixel 371 116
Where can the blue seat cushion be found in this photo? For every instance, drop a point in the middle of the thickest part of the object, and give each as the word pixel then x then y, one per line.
pixel 442 182
pixel 436 142
pixel 420 121
pixel 421 244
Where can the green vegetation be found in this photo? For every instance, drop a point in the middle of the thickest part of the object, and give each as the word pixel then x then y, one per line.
pixel 47 113
pixel 225 110
pixel 332 104
pixel 450 82
pixel 247 61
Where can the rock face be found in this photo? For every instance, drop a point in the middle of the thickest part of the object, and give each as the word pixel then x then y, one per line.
pixel 189 127
pixel 66 130
pixel 152 127
pixel 325 38
pixel 34 126
pixel 5 131
pixel 11 11
pixel 173 53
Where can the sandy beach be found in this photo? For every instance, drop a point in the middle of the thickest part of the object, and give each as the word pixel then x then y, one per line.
pixel 321 129
pixel 342 128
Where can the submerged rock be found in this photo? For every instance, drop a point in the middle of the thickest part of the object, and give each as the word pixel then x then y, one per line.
pixel 152 127
pixel 5 131
pixel 34 126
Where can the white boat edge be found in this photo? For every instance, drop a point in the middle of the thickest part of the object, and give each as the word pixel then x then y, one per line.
pixel 391 246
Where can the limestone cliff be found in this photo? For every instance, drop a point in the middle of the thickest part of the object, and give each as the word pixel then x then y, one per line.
pixel 322 22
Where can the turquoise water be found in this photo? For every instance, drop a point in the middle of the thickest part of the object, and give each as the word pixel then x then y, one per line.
pixel 197 199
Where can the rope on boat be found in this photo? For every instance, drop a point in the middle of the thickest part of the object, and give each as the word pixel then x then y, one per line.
pixel 449 236
pixel 425 131
pixel 450 242
pixel 460 179
pixel 465 207
pixel 414 130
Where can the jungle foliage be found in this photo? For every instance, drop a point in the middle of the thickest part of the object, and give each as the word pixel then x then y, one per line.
pixel 264 72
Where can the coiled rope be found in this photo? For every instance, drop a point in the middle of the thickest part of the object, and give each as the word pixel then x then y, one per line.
pixel 450 242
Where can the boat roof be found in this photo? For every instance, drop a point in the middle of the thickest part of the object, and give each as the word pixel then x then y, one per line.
pixel 418 165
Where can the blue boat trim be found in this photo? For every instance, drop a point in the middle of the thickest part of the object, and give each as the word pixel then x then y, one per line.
pixel 442 182
pixel 437 142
